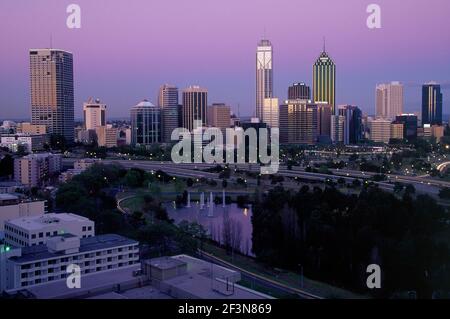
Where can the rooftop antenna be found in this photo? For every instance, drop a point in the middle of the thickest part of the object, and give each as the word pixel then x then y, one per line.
pixel 239 110
pixel 324 45
pixel 51 41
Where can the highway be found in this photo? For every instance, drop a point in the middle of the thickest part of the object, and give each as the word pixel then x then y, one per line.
pixel 195 171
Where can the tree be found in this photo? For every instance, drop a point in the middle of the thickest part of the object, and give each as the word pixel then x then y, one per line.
pixel 410 189
pixel 189 182
pixel 444 193
pixel 398 187
pixel 6 166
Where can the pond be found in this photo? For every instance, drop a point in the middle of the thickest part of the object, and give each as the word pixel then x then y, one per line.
pixel 230 224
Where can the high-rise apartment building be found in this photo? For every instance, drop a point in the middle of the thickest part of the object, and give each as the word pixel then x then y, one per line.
pixel 324 80
pixel 389 100
pixel 431 104
pixel 52 91
pixel 264 76
pixel 168 102
pixel 195 102
pixel 299 91
pixel 298 122
pixel 145 124
pixel 94 114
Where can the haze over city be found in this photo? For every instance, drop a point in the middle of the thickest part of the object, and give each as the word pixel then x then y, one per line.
pixel 213 43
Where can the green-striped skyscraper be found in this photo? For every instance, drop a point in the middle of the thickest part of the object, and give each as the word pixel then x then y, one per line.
pixel 324 80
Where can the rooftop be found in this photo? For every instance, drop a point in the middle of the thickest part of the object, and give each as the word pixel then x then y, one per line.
pixel 37 222
pixel 40 252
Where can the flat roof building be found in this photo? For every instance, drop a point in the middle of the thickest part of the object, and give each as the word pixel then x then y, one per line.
pixel 36 230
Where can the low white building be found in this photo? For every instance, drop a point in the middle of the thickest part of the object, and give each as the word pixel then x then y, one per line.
pixel 41 265
pixel 13 207
pixel 31 142
pixel 33 231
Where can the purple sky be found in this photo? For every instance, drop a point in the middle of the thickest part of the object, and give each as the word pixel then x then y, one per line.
pixel 126 49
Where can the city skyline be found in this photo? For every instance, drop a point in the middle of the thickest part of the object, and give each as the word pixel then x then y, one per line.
pixel 228 76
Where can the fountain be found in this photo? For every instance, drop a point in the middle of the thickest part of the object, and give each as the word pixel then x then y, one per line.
pixel 188 200
pixel 202 200
pixel 211 205
pixel 223 198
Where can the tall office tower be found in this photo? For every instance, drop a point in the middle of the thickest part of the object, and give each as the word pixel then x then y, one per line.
pixel 264 76
pixel 299 91
pixel 219 115
pixel 389 100
pixel 298 122
pixel 94 114
pixel 431 104
pixel 337 128
pixel 145 124
pixel 270 112
pixel 353 123
pixel 195 102
pixel 380 130
pixel 410 125
pixel 52 93
pixel 324 120
pixel 168 102
pixel 324 80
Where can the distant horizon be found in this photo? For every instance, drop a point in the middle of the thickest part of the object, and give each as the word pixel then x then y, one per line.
pixel 122 54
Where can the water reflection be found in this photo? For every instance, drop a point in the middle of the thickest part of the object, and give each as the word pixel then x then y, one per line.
pixel 227 224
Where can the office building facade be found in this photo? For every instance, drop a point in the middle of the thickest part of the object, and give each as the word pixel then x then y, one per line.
pixel 324 80
pixel 52 91
pixel 168 102
pixel 432 104
pixel 299 91
pixel 195 103
pixel 145 124
pixel 264 76
pixel 389 100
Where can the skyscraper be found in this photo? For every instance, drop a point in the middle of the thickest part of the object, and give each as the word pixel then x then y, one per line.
pixel 431 104
pixel 353 123
pixel 195 102
pixel 299 91
pixel 298 122
pixel 409 122
pixel 337 128
pixel 52 92
pixel 94 114
pixel 264 76
pixel 145 124
pixel 270 112
pixel 168 102
pixel 219 115
pixel 389 100
pixel 324 120
pixel 324 80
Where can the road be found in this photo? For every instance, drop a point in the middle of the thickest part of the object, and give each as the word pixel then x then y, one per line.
pixel 194 170
pixel 260 280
